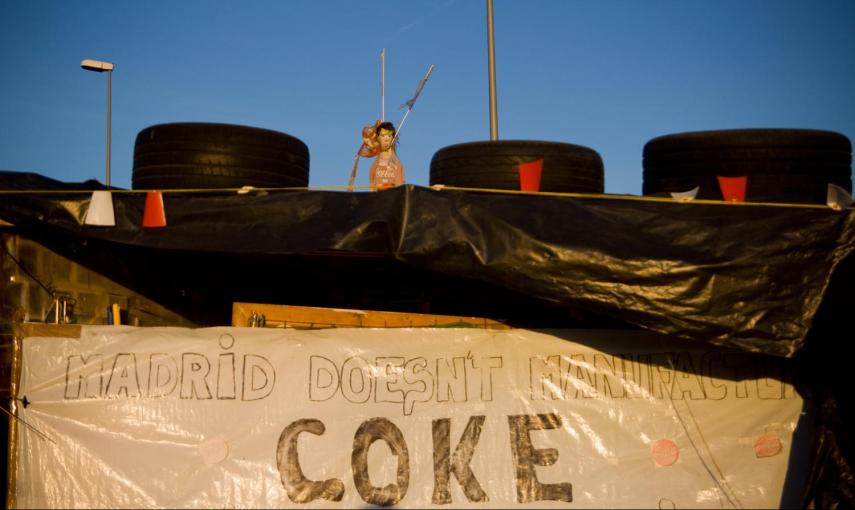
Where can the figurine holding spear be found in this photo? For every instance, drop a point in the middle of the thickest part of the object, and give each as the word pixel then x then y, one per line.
pixel 379 140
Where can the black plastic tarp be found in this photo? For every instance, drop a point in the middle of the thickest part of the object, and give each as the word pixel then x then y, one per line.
pixel 748 276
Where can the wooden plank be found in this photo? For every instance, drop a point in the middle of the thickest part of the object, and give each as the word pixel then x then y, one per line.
pixel 31 329
pixel 306 317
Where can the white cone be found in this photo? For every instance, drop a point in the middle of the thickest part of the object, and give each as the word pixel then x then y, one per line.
pixel 685 196
pixel 100 212
pixel 838 198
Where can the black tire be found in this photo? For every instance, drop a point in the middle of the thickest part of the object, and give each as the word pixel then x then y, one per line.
pixel 782 165
pixel 495 165
pixel 189 155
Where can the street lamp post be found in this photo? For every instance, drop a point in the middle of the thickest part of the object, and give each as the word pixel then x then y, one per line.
pixel 100 67
pixel 100 210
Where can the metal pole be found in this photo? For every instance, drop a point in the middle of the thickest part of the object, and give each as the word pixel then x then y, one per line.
pixel 382 85
pixel 109 94
pixel 491 56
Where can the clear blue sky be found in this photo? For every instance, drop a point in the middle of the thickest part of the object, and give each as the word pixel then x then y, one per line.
pixel 606 74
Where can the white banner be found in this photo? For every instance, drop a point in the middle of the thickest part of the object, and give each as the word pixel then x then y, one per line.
pixel 344 418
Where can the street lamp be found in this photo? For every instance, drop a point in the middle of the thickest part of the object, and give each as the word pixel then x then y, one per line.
pixel 100 210
pixel 100 67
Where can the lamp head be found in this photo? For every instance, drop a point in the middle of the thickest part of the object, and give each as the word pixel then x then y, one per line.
pixel 96 65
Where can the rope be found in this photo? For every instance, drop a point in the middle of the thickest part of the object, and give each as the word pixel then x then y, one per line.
pixel 437 187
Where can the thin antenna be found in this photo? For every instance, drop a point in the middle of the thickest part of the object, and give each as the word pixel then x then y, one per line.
pixel 382 85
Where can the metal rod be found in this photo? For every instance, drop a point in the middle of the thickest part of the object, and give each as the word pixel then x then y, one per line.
pixel 400 125
pixel 109 94
pixel 35 430
pixel 412 102
pixel 491 57
pixel 382 85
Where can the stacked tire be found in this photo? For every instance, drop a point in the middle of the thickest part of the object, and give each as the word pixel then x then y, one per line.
pixel 781 165
pixel 190 155
pixel 566 167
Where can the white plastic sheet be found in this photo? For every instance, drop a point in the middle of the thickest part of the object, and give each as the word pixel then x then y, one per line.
pixel 343 418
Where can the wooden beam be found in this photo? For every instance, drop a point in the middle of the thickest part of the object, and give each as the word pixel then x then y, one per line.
pixel 305 317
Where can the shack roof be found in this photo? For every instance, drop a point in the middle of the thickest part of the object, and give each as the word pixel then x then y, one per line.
pixel 760 277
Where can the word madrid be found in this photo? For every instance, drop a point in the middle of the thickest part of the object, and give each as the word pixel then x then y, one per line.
pixel 188 375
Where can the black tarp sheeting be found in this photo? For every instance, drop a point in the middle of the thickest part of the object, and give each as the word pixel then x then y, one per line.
pixel 773 280
pixel 751 277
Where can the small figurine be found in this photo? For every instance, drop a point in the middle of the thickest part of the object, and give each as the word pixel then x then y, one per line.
pixel 378 141
pixel 387 171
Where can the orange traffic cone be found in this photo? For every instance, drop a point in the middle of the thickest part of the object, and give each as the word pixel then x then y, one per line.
pixel 154 214
pixel 100 212
pixel 530 175
pixel 733 188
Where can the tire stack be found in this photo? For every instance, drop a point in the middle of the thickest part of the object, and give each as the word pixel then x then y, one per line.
pixel 781 165
pixel 196 155
pixel 566 167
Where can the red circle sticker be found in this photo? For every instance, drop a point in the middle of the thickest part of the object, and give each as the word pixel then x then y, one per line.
pixel 665 452
pixel 767 445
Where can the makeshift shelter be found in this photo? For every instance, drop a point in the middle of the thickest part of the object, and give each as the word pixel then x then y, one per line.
pixel 771 280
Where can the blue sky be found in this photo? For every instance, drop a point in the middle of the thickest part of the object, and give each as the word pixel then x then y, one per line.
pixel 609 75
